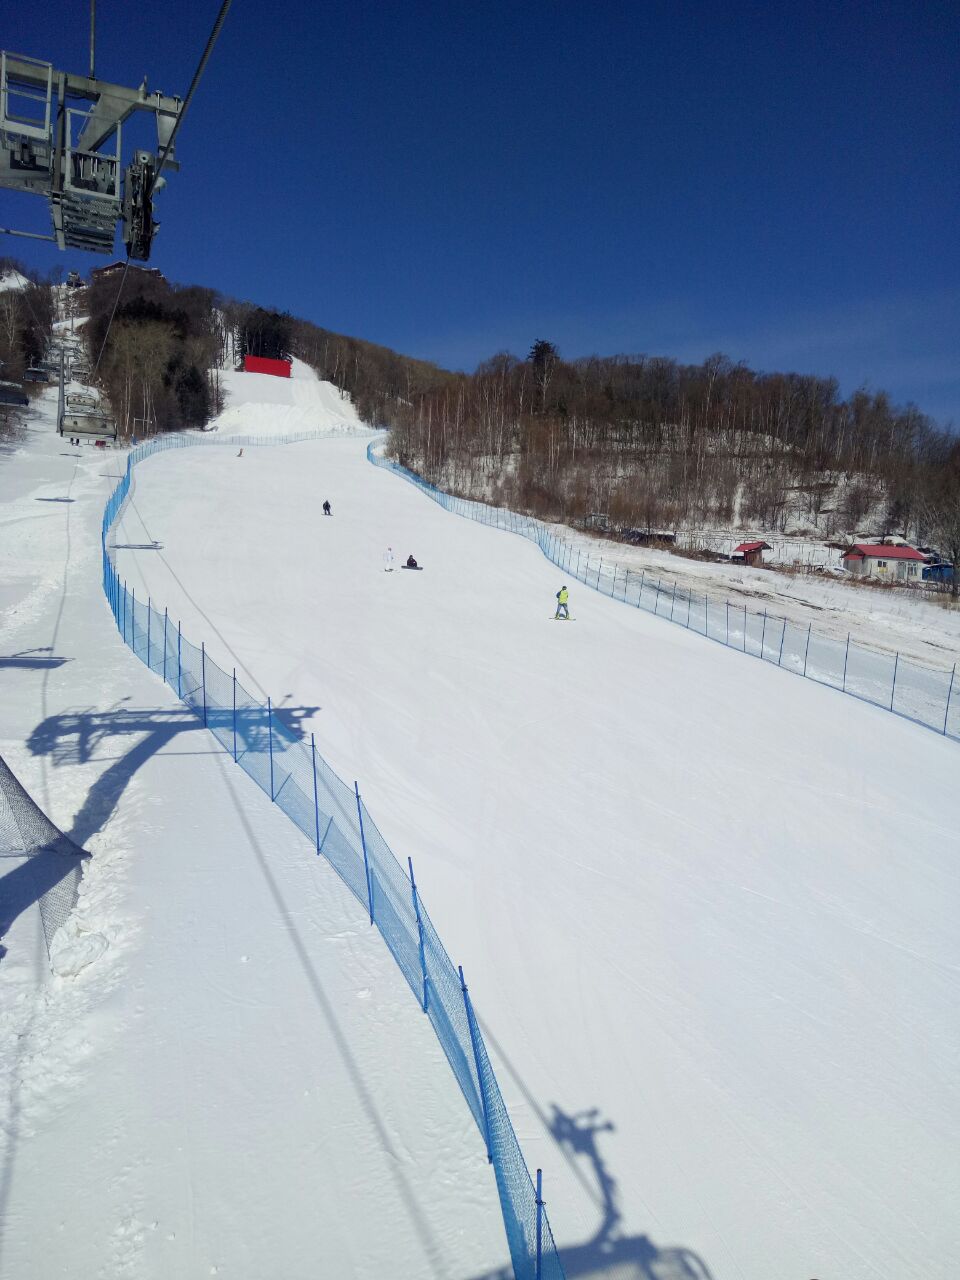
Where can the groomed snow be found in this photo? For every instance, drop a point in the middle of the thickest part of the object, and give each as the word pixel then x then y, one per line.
pixel 258 403
pixel 708 910
pixel 230 1076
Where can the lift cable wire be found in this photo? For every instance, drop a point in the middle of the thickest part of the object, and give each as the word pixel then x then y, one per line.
pixel 116 301
pixel 212 40
pixel 201 66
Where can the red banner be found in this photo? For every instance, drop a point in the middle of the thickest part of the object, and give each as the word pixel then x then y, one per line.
pixel 259 364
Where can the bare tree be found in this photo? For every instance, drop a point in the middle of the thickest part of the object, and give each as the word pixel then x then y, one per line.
pixel 940 507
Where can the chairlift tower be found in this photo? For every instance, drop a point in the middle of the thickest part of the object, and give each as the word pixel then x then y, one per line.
pixel 60 137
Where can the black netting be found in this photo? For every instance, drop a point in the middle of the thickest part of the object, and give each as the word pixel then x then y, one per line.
pixel 50 863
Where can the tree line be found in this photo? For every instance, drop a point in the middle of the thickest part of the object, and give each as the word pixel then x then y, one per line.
pixel 161 346
pixel 650 443
pixel 26 321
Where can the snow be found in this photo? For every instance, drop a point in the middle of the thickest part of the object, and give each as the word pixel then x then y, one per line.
pixel 13 280
pixel 707 911
pixel 224 1073
pixel 887 619
pixel 264 405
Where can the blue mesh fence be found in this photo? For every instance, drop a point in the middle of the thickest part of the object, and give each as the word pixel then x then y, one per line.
pixel 332 816
pixel 927 695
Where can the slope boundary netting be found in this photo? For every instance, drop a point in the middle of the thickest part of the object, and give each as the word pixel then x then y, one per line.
pixel 52 863
pixel 333 817
pixel 929 696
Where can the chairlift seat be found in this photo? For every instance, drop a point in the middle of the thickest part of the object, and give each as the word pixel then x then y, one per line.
pixel 93 424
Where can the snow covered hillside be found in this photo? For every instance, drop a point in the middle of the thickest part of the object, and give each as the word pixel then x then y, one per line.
pixel 708 910
pixel 228 1076
pixel 890 620
pixel 260 404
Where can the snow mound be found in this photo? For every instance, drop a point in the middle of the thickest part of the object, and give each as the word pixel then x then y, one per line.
pixel 74 949
pixel 13 280
pixel 260 404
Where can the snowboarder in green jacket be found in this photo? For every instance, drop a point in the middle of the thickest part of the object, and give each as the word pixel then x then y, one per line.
pixel 563 595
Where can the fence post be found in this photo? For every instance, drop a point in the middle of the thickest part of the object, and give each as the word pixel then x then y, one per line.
pixel 476 1057
pixel 149 612
pixel 643 574
pixel 539 1270
pixel 235 756
pixel 727 640
pixel 807 648
pixel 578 562
pixel 783 636
pixel 179 666
pixel 133 621
pixel 203 682
pixel 744 628
pixel 946 714
pixel 164 644
pixel 416 908
pixel 846 655
pixel 599 571
pixel 270 742
pixel 763 634
pixel 893 691
pixel 673 600
pixel 613 589
pixel 366 860
pixel 316 798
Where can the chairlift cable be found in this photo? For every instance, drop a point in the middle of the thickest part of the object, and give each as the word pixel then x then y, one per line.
pixel 116 301
pixel 211 41
pixel 201 66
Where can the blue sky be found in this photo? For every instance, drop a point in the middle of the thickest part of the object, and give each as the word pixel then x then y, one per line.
pixel 778 182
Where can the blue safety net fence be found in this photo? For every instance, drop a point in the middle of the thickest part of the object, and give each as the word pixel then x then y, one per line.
pixel 332 816
pixel 929 696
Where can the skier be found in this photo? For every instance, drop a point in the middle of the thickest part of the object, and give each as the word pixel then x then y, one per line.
pixel 563 595
pixel 240 454
pixel 388 560
pixel 326 509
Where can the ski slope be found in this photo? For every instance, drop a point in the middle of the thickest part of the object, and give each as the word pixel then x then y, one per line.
pixel 708 911
pixel 226 1074
pixel 282 406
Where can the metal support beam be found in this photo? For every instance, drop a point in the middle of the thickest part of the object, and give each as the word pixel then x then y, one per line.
pixel 53 126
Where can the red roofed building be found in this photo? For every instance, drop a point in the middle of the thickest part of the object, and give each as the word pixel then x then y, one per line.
pixel 752 552
pixel 877 560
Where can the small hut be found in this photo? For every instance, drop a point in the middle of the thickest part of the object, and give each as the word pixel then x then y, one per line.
pixel 751 552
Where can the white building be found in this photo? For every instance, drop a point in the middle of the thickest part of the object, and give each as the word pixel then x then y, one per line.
pixel 898 563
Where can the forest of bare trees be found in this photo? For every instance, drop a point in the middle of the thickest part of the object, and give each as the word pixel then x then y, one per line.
pixel 380 381
pixel 162 344
pixel 654 444
pixel 26 317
